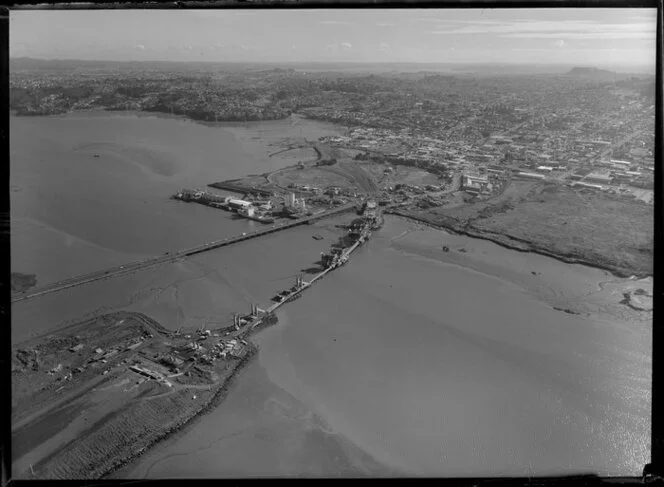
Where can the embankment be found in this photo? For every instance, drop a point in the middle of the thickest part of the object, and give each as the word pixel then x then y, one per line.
pixel 125 434
pixel 218 396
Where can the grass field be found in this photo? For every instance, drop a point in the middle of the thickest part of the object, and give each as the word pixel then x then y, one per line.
pixel 577 226
pixel 608 231
pixel 314 176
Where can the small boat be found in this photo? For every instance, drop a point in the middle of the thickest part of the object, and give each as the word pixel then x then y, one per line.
pixel 96 155
pixel 316 236
pixel 446 248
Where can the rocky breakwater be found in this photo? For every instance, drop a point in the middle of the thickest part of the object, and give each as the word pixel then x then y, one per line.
pixel 170 433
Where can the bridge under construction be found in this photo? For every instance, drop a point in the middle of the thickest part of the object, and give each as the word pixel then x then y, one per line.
pixel 245 324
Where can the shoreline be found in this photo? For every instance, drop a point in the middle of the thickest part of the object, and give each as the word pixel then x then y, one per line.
pixel 506 242
pixel 174 116
pixel 185 116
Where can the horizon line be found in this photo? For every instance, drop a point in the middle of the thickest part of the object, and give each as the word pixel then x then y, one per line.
pixel 363 62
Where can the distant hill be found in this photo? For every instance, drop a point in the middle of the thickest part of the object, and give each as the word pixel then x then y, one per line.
pixel 70 65
pixel 595 74
pixel 26 64
pixel 588 71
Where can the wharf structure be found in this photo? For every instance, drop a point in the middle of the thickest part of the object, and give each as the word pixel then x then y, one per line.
pixel 252 208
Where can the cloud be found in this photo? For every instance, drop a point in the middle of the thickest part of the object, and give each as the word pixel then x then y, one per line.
pixel 335 22
pixel 559 43
pixel 589 52
pixel 228 47
pixel 385 24
pixel 338 46
pixel 579 29
pixel 474 22
pixel 140 47
pixel 583 35
pixel 427 19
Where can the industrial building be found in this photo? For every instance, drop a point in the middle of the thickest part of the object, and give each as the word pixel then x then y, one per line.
pixel 293 202
pixel 587 186
pixel 616 162
pixel 529 175
pixel 237 204
pixel 598 178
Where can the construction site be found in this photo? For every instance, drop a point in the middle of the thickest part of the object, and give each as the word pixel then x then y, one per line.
pixel 108 388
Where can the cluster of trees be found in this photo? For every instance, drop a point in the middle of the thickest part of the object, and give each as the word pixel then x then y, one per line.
pixel 198 99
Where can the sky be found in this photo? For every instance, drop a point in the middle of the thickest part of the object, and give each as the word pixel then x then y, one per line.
pixel 589 37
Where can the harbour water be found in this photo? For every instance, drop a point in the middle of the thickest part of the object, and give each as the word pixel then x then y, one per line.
pixel 435 368
pixel 408 361
pixel 73 212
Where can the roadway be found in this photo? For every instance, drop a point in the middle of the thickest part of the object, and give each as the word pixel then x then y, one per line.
pixel 169 256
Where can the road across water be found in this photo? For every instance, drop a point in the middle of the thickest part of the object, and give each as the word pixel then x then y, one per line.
pixel 170 256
